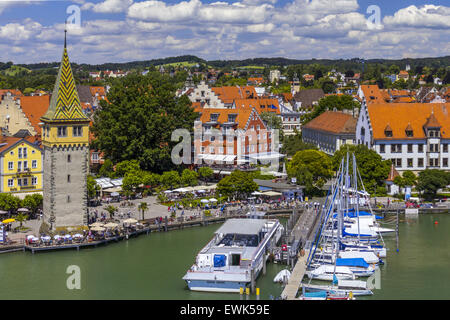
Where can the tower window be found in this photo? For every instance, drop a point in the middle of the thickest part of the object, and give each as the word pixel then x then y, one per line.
pixel 68 158
pixel 68 178
pixel 62 132
pixel 68 198
pixel 77 131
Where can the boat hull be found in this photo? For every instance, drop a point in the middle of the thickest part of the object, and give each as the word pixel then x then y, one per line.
pixel 215 286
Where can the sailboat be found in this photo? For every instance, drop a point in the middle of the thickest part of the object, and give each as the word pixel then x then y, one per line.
pixel 346 240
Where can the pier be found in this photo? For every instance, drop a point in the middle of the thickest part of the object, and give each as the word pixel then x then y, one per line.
pixel 303 232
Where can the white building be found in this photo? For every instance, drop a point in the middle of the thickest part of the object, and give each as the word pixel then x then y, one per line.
pixel 274 76
pixel 414 136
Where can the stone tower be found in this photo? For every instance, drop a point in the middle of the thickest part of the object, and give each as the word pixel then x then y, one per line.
pixel 65 140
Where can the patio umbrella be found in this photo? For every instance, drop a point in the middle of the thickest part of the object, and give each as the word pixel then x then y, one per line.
pixel 8 220
pixel 131 220
pixel 77 235
pixel 57 237
pixel 111 225
pixel 3 212
pixel 22 210
pixel 204 201
pixel 213 200
pixel 99 229
pixel 96 224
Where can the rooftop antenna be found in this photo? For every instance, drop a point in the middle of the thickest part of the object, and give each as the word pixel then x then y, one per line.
pixel 65 34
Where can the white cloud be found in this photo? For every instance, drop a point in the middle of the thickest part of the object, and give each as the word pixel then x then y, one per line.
pixel 159 11
pixel 427 16
pixel 108 6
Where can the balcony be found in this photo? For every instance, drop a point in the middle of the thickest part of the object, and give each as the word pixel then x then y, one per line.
pixel 23 172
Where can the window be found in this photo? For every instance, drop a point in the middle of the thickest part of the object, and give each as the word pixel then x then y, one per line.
pixel 397 162
pixel 410 162
pixel 445 162
pixel 68 178
pixel 62 132
pixel 34 181
pixel 420 162
pixel 19 165
pixel 34 164
pixel 10 165
pixel 382 149
pixel 445 147
pixel 211 149
pixel 20 153
pixel 19 182
pixel 68 198
pixel 410 148
pixel 396 148
pixel 77 131
pixel 25 153
pixel 69 159
pixel 10 183
pixel 25 182
pixel 212 138
pixel 230 150
pixel 420 147
pixel 434 162
pixel 25 165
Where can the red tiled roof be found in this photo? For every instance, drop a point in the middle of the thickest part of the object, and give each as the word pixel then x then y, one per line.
pixel 334 122
pixel 34 108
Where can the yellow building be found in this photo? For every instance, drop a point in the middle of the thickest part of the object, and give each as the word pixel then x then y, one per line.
pixel 21 166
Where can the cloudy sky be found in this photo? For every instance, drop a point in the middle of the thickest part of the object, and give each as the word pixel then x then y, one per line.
pixel 128 30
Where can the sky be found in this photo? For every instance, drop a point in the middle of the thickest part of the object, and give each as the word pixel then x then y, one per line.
pixel 101 31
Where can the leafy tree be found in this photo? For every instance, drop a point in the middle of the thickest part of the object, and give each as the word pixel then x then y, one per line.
pixel 33 201
pixel 238 185
pixel 342 102
pixel 127 166
pixel 107 169
pixel 407 179
pixel 312 169
pixel 189 177
pixel 137 120
pixel 372 168
pixel 205 173
pixel 111 210
pixel 92 187
pixel 21 217
pixel 430 181
pixel 151 179
pixel 170 179
pixel 8 202
pixel 132 180
pixel 294 143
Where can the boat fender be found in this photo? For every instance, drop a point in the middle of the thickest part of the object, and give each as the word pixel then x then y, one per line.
pixel 284 247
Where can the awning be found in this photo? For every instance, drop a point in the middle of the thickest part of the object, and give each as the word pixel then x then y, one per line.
pixel 229 158
pixel 266 156
pixel 113 190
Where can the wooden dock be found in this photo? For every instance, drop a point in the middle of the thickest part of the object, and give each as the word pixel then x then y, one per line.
pixel 291 288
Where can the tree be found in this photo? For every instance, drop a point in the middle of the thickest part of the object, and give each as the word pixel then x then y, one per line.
pixel 189 178
pixel 21 217
pixel 205 173
pixel 143 207
pixel 8 202
pixel 33 201
pixel 137 121
pixel 107 169
pixel 294 143
pixel 430 181
pixel 238 185
pixel 372 168
pixel 312 169
pixel 92 187
pixel 126 166
pixel 170 179
pixel 342 102
pixel 132 181
pixel 151 180
pixel 111 210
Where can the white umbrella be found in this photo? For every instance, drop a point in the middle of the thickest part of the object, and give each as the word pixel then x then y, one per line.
pixel 213 200
pixel 131 220
pixel 57 237
pixel 204 201
pixel 96 224
pixel 168 191
pixel 78 235
pixel 45 238
pixel 98 229
pixel 30 236
pixel 3 212
pixel 111 225
pixel 68 236
pixel 22 210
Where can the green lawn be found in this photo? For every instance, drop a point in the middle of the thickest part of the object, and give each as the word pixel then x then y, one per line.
pixel 14 70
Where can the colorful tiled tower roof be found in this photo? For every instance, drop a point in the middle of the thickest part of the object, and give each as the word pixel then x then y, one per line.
pixel 65 104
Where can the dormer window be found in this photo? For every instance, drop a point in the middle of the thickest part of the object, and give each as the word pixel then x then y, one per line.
pixel 388 131
pixel 409 130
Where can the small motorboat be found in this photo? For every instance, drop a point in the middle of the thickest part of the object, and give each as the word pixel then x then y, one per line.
pixel 282 276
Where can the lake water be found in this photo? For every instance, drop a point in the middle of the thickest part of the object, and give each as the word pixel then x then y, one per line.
pixel 152 266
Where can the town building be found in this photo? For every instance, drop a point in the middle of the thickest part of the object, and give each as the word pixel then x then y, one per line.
pixel 65 141
pixel 274 76
pixel 307 99
pixel 330 130
pixel 21 166
pixel 414 136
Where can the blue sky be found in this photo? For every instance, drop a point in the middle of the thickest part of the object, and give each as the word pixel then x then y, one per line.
pixel 127 30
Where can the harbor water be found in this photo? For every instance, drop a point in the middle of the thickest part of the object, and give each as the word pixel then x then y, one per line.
pixel 152 266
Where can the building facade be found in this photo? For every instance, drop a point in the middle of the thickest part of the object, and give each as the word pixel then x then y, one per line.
pixel 414 136
pixel 65 140
pixel 20 166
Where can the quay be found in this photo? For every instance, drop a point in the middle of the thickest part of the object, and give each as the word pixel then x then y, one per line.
pixel 150 225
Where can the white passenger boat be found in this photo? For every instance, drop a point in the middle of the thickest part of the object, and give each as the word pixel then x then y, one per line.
pixel 327 273
pixel 234 257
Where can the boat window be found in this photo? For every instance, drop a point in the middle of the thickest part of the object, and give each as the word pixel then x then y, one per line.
pixel 235 259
